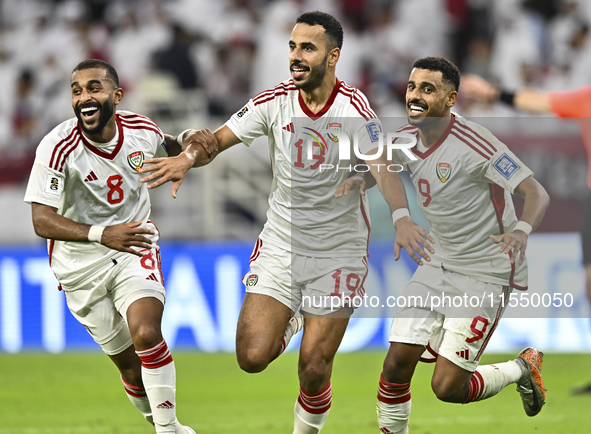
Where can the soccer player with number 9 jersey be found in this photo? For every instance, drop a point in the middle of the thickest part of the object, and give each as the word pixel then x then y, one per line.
pixel 463 176
pixel 88 201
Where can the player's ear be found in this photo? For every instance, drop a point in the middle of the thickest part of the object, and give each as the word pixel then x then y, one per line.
pixel 333 56
pixel 452 98
pixel 117 96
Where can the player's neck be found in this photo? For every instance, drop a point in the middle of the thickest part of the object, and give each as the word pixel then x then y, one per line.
pixel 106 134
pixel 317 98
pixel 433 131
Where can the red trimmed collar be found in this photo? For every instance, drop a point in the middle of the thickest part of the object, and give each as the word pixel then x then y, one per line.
pixel 437 144
pixel 100 152
pixel 326 107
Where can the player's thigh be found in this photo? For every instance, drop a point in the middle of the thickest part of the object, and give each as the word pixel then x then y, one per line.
pixel 465 339
pixel 139 278
pixel 417 321
pixel 261 323
pixel 91 304
pixel 270 275
pixel 331 286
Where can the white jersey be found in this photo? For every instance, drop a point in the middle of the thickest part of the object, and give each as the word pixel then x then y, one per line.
pixel 304 217
pixel 463 185
pixel 94 183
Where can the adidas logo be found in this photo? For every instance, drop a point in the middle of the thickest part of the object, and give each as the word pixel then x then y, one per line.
pixel 91 177
pixel 385 430
pixel 289 127
pixel 166 404
pixel 464 354
pixel 153 277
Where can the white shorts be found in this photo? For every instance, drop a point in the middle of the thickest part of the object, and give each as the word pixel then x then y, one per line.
pixel 100 304
pixel 458 332
pixel 319 286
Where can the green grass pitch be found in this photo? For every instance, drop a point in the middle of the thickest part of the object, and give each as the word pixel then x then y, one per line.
pixel 81 393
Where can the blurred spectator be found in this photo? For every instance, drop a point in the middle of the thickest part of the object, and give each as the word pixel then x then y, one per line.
pixel 176 59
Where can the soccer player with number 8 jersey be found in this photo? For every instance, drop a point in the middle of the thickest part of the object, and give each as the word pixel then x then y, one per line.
pixel 88 201
pixel 463 176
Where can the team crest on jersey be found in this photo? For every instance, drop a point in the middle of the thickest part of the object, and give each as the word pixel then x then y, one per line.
pixel 443 171
pixel 334 126
pixel 136 160
pixel 252 280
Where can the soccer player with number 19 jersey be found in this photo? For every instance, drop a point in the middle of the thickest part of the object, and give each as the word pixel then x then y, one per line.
pixel 314 244
pixel 463 176
pixel 88 201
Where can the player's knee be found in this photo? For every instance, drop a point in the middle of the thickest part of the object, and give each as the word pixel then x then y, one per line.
pixel 146 336
pixel 396 371
pixel 313 374
pixel 252 360
pixel 447 392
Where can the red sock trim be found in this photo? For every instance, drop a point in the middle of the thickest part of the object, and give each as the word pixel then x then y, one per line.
pixel 155 357
pixel 392 393
pixel 131 390
pixel 318 402
pixel 281 350
pixel 476 387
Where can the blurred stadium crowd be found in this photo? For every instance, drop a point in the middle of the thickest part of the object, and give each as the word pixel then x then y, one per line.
pixel 201 60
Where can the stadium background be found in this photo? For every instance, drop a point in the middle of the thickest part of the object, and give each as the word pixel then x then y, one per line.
pixel 193 63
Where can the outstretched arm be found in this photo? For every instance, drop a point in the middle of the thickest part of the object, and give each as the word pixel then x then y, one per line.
pixel 409 236
pixel 49 224
pixel 527 99
pixel 534 208
pixel 199 148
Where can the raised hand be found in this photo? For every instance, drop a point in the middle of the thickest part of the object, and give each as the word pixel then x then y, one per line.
pixel 195 153
pixel 477 88
pixel 413 239
pixel 167 169
pixel 126 235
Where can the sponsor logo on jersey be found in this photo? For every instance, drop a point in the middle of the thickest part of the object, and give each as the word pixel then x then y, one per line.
pixel 91 177
pixel 374 130
pixel 334 126
pixel 52 185
pixel 464 354
pixel 289 127
pixel 443 171
pixel 317 137
pixel 252 280
pixel 243 113
pixel 136 160
pixel 506 166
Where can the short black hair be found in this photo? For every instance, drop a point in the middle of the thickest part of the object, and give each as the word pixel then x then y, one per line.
pixel 332 27
pixel 449 71
pixel 96 63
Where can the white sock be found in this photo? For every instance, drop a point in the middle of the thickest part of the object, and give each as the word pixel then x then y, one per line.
pixel 159 378
pixel 393 406
pixel 137 396
pixel 293 326
pixel 488 380
pixel 311 411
